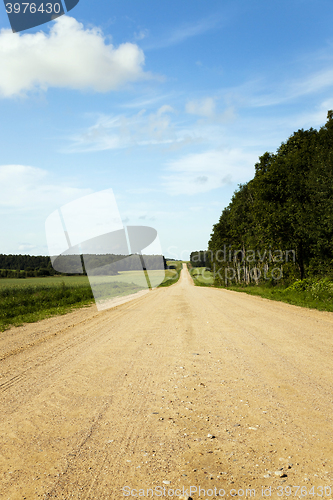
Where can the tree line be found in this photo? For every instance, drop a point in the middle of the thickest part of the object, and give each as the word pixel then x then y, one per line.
pixel 279 225
pixel 200 258
pixel 25 266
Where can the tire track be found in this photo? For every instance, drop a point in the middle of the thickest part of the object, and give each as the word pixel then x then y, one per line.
pixel 129 396
pixel 86 339
pixel 128 435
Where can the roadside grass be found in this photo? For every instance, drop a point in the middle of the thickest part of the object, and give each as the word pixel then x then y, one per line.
pixel 172 275
pixel 34 299
pixel 200 276
pixel 28 304
pixel 311 293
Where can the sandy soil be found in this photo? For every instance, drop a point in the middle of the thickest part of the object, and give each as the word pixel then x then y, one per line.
pixel 92 401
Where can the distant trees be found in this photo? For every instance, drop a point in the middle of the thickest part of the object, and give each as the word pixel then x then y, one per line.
pixel 201 258
pixel 282 219
pixel 25 266
pixel 24 262
pixel 113 264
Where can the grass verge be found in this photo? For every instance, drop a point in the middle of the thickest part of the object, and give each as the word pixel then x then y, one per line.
pixel 314 294
pixel 200 276
pixel 172 275
pixel 29 304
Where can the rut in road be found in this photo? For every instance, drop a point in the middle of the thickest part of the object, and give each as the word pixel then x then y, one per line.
pixel 93 402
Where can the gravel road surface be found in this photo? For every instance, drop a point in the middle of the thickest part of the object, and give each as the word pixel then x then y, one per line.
pixel 182 387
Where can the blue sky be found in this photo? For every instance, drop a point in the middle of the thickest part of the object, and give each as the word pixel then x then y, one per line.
pixel 169 103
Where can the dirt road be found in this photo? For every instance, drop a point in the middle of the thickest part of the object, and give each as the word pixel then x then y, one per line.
pixel 93 402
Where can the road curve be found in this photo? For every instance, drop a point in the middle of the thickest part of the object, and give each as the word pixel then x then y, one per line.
pixel 188 385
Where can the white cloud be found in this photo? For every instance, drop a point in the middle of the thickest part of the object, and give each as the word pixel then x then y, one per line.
pixel 200 173
pixel 141 35
pixel 29 188
pixel 69 56
pixel 255 94
pixel 314 117
pixel 203 107
pixel 186 31
pixel 140 190
pixel 145 101
pixel 26 247
pixel 313 83
pixel 117 132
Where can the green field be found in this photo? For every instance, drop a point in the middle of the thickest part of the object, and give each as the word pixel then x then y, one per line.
pixel 29 303
pixel 32 299
pixel 137 277
pixel 26 304
pixel 47 281
pixel 201 277
pixel 124 277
